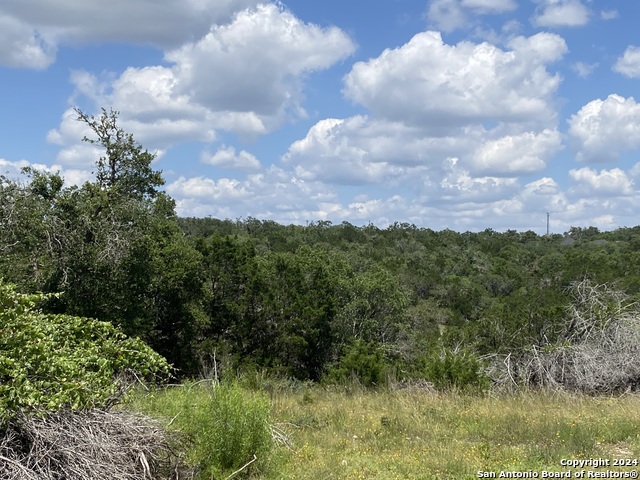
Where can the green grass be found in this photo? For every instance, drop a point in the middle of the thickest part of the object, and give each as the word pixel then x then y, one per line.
pixel 224 427
pixel 341 434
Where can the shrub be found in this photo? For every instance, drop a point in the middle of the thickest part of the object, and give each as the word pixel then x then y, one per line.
pixel 226 424
pixel 455 369
pixel 363 361
pixel 50 362
pixel 241 427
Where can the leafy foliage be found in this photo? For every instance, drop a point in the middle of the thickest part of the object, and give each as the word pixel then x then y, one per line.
pixel 363 362
pixel 295 300
pixel 455 369
pixel 50 361
pixel 225 424
pixel 126 167
pixel 113 246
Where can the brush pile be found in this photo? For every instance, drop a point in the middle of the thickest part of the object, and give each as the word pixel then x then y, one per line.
pixel 598 351
pixel 86 445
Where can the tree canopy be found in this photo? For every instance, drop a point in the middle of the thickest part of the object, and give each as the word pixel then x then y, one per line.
pixel 303 301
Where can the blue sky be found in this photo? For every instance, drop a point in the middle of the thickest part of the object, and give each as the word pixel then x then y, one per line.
pixel 461 114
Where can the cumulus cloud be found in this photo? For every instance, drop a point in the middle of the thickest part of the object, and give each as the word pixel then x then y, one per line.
pixel 155 134
pixel 244 76
pixel 11 169
pixel 448 131
pixel 518 154
pixel 458 200
pixel 561 13
pixel 583 69
pixel 21 46
pixel 244 73
pixel 226 157
pixel 460 186
pixel 72 176
pixel 360 150
pixel 602 130
pixel 254 63
pixel 264 54
pixel 142 22
pixel 629 63
pixel 429 83
pixel 430 102
pixel 614 182
pixel 273 194
pixel 206 188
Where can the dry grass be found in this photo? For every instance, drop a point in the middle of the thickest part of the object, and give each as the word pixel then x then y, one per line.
pixel 417 435
pixel 88 445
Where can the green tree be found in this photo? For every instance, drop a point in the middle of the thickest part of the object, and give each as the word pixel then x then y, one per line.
pixel 373 303
pixel 113 246
pixel 126 167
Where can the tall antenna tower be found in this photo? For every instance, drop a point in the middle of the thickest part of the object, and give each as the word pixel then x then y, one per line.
pixel 547 223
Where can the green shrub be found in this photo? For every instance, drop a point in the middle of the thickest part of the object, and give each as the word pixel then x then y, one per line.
pixel 227 425
pixel 455 369
pixel 60 361
pixel 362 360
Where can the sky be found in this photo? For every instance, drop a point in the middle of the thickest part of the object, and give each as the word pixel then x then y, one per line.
pixel 459 114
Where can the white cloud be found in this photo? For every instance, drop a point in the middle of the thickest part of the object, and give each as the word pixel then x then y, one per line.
pixel 582 69
pixel 13 171
pixel 545 194
pixel 359 150
pixel 490 6
pixel 561 13
pixel 428 83
pixel 273 194
pixel 449 15
pixel 518 154
pixel 614 182
pixel 154 134
pixel 604 129
pixel 460 186
pixel 226 157
pixel 79 156
pixel 142 21
pixel 459 201
pixel 23 47
pixel 331 152
pixel 70 129
pixel 539 49
pixel 254 63
pixel 609 14
pixel 208 189
pixel 245 76
pixel 629 64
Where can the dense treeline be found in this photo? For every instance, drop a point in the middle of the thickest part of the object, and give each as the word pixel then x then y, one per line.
pixel 312 302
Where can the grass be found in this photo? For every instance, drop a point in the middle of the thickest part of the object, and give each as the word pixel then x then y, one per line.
pixel 339 433
pixel 225 428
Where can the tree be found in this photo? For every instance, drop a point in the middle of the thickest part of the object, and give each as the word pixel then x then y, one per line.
pixel 113 246
pixel 125 167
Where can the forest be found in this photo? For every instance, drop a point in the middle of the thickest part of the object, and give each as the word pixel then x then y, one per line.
pixel 325 303
pixel 315 302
